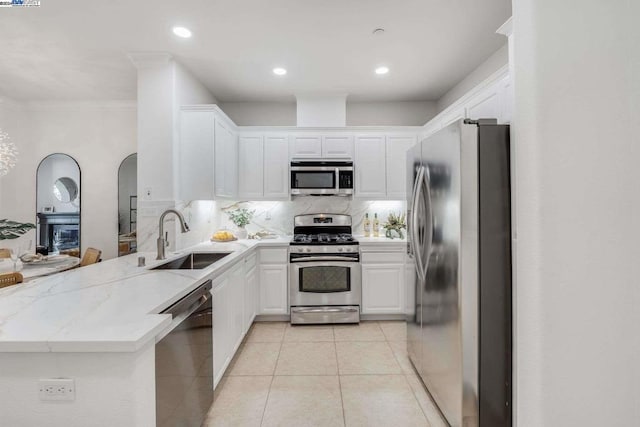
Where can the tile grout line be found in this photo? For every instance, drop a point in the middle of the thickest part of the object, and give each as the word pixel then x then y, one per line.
pixel 266 402
pixel 344 415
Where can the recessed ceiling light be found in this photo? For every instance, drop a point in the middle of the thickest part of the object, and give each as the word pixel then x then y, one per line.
pixel 183 32
pixel 382 70
pixel 279 71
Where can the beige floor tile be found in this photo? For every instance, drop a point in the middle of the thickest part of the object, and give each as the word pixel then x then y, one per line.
pixel 400 352
pixel 365 331
pixel 240 401
pixel 380 400
pixel 310 333
pixel 307 358
pixel 366 358
pixel 394 330
pixel 266 332
pixel 256 358
pixel 426 403
pixel 300 401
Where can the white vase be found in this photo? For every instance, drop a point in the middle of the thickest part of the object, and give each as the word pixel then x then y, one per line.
pixel 241 233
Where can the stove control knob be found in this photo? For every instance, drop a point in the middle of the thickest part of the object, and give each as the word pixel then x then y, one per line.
pixel 300 249
pixel 308 249
pixel 340 249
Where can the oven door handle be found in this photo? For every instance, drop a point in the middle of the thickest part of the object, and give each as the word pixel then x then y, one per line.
pixel 325 258
pixel 324 309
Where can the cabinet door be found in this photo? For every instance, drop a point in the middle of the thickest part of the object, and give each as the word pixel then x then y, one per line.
pixel 276 167
pixel 226 161
pixel 397 146
pixel 195 155
pixel 250 297
pixel 306 146
pixel 383 289
pixel 273 289
pixel 370 167
pixel 337 146
pixel 250 162
pixel 236 305
pixel 221 329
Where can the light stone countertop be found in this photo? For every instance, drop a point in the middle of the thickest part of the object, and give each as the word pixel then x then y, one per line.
pixel 110 306
pixel 382 241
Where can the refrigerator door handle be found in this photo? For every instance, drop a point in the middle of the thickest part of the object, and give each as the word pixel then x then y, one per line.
pixel 415 216
pixel 425 188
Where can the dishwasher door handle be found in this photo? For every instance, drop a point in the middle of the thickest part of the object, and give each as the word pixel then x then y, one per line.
pixel 195 299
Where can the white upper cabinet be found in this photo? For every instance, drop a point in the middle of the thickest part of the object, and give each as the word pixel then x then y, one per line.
pixel 306 146
pixel 250 161
pixel 337 146
pixel 195 155
pixel 326 146
pixel 370 166
pixel 226 161
pixel 396 149
pixel 276 167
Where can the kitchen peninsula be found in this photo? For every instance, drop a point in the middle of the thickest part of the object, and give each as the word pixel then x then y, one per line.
pixel 98 325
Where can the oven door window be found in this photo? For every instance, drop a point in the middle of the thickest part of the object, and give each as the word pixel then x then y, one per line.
pixel 325 279
pixel 313 180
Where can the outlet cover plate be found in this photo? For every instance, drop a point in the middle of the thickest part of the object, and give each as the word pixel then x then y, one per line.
pixel 57 389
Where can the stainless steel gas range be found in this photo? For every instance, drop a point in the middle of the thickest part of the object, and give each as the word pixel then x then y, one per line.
pixel 325 277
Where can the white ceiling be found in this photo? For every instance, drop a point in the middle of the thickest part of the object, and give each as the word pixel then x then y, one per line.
pixel 76 49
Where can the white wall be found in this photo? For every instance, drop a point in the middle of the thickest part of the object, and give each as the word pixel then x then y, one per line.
pixel 261 113
pixel 400 113
pixel 321 110
pixel 163 87
pixel 576 130
pixel 492 64
pixel 97 135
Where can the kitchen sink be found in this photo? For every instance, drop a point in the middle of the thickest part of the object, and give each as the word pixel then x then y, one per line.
pixel 193 261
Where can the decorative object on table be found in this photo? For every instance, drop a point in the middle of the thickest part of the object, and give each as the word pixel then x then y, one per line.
pixel 394 226
pixel 13 229
pixel 91 256
pixel 42 250
pixel 8 153
pixel 241 217
pixel 223 236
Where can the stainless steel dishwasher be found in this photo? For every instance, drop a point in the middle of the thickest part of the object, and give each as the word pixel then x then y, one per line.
pixel 184 362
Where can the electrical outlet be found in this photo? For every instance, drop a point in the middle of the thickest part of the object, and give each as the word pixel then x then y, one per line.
pixel 267 215
pixel 147 193
pixel 57 389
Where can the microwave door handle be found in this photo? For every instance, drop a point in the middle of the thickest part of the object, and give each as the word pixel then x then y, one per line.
pixel 337 180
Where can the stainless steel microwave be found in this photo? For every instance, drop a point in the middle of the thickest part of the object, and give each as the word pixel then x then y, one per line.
pixel 321 178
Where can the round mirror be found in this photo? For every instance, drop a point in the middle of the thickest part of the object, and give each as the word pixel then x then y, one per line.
pixel 65 189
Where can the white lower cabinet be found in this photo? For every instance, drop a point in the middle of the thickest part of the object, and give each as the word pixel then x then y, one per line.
pixel 274 283
pixel 228 318
pixel 273 289
pixel 251 291
pixel 383 283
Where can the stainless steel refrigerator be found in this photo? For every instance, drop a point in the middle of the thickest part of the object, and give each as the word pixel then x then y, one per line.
pixel 459 233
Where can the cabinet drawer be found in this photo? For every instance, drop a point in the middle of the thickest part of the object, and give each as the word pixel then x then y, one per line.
pixel 383 257
pixel 274 256
pixel 251 261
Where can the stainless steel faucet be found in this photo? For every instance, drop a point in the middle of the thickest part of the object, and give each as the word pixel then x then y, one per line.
pixel 162 241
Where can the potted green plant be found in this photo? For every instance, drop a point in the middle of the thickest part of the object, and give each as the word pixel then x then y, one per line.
pixel 12 230
pixel 241 217
pixel 394 226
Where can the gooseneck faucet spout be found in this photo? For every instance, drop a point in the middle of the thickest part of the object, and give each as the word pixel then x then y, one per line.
pixel 162 241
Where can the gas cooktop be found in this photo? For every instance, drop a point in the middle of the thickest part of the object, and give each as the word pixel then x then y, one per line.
pixel 324 239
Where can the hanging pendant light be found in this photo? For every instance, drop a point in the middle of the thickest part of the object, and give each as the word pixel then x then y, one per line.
pixel 8 153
